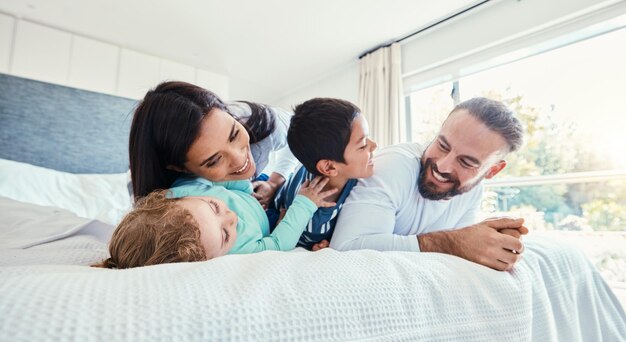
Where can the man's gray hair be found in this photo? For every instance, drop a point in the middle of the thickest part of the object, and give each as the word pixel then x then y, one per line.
pixel 497 117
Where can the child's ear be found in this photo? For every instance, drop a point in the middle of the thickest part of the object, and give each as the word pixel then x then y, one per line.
pixel 326 168
pixel 177 169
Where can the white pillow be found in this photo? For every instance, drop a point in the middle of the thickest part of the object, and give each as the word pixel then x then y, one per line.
pixel 96 196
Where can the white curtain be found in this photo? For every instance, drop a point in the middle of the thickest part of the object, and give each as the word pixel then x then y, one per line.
pixel 380 94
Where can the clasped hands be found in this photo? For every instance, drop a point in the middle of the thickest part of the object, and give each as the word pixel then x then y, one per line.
pixel 494 242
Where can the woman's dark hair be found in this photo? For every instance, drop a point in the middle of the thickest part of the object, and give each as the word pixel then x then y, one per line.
pixel 261 123
pixel 165 125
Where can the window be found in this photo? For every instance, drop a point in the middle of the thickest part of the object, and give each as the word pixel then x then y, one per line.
pixel 569 178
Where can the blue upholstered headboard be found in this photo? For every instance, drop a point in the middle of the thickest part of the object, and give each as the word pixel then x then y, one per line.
pixel 63 128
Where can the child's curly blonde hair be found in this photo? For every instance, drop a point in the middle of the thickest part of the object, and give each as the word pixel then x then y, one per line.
pixel 156 231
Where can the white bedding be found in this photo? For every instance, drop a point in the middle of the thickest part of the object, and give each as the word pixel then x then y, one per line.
pixel 99 196
pixel 554 294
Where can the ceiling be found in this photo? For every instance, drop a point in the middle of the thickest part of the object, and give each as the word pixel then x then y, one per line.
pixel 267 48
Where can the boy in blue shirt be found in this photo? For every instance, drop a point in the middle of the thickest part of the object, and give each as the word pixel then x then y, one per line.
pixel 330 137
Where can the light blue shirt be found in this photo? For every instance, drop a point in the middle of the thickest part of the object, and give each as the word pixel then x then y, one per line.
pixel 253 226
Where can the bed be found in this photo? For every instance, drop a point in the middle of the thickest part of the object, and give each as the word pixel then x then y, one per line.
pixel 63 186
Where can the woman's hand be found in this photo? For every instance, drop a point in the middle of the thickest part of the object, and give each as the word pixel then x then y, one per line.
pixel 264 191
pixel 313 191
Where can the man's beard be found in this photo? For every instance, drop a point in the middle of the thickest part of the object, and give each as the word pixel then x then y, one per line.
pixel 429 191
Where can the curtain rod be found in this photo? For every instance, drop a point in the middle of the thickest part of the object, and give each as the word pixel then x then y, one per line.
pixel 428 27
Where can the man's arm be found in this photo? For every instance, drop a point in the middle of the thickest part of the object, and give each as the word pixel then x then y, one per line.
pixel 368 217
pixel 369 226
pixel 493 243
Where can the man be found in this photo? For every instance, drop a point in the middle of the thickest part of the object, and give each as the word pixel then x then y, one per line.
pixel 427 201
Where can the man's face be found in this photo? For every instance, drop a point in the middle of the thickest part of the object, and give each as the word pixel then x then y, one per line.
pixel 464 152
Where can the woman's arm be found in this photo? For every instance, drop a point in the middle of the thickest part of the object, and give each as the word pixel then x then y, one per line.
pixel 286 162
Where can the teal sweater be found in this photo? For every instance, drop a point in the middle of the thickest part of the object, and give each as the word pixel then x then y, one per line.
pixel 253 226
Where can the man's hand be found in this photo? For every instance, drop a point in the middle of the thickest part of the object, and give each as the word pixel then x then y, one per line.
pixel 516 233
pixel 492 243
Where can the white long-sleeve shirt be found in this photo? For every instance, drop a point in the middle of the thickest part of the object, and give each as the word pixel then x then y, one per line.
pixel 386 211
pixel 276 142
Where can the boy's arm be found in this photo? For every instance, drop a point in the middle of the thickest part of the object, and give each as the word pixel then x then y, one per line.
pixel 287 233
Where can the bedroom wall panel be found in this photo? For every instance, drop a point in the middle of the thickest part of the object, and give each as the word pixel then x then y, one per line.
pixel 41 53
pixel 217 83
pixel 138 72
pixel 36 51
pixel 7 24
pixel 93 65
pixel 176 71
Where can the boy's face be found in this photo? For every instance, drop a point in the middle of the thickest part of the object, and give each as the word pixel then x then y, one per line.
pixel 359 152
pixel 217 223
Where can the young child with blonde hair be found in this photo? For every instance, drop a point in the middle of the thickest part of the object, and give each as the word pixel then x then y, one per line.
pixel 199 220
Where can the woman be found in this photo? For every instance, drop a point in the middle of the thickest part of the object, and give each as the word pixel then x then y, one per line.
pixel 181 129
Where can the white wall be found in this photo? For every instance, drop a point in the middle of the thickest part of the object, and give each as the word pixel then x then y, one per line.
pixel 6 40
pixel 37 51
pixel 343 84
pixel 431 53
pixel 40 52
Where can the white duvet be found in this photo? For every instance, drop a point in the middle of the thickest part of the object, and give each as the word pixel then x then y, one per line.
pixel 553 294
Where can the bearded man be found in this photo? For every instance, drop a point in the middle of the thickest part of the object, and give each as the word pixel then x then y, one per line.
pixel 427 200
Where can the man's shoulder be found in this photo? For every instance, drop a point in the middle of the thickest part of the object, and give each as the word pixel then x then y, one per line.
pixel 401 160
pixel 396 170
pixel 403 150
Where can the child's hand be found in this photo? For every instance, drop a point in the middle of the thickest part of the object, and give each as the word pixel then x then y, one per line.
pixel 320 245
pixel 313 191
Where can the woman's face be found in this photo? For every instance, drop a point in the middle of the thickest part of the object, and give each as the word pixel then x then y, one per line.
pixel 222 150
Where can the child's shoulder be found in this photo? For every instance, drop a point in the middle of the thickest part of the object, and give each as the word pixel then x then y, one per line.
pixel 288 191
pixel 198 186
pixel 191 186
pixel 236 185
pixel 301 175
